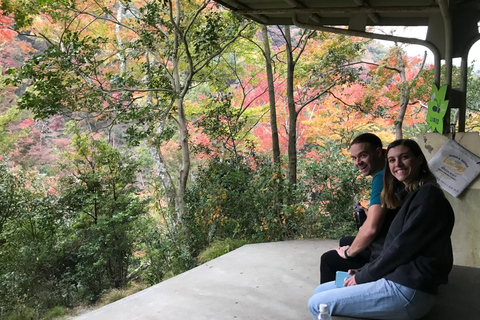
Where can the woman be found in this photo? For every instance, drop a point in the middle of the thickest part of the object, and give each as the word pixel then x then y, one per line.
pixel 417 255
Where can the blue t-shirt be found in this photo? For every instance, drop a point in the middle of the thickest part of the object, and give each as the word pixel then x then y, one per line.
pixel 377 187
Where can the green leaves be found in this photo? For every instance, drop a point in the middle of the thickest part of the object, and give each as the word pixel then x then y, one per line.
pixel 99 195
pixel 331 64
pixel 31 265
pixel 222 122
pixel 25 11
pixel 331 175
pixel 59 80
pixel 206 38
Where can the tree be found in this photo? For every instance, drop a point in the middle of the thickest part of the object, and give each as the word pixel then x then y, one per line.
pixel 399 79
pixel 31 263
pixel 325 68
pixel 228 107
pixel 98 186
pixel 134 68
pixel 341 117
pixel 271 95
pixel 13 52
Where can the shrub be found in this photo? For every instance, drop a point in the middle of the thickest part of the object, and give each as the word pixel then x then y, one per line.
pixel 232 199
pixel 333 183
pixel 252 200
pixel 22 313
pixel 163 248
pixel 98 194
pixel 243 200
pixel 58 247
pixel 33 262
pixel 56 312
pixel 219 248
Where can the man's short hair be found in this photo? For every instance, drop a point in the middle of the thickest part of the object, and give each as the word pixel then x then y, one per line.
pixel 370 138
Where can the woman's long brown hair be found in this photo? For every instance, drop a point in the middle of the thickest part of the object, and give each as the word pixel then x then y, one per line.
pixel 391 185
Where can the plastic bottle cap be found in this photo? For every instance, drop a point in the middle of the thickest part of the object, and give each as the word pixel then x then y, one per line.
pixel 323 308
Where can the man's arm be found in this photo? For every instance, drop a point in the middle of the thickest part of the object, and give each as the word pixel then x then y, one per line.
pixel 367 233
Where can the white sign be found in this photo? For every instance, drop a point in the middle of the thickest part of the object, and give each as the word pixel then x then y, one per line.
pixel 455 167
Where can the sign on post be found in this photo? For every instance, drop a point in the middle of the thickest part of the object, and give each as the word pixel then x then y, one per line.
pixel 437 107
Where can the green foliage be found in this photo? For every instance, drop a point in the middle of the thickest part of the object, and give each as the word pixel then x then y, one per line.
pixel 332 64
pixel 473 95
pixel 218 248
pixel 223 124
pixel 57 311
pixel 64 69
pixel 7 139
pixel 99 197
pixel 231 199
pixel 58 248
pixel 413 131
pixel 83 63
pixel 21 12
pixel 335 182
pixel 22 313
pixel 32 264
pixel 11 194
pixel 473 90
pixel 163 248
pixel 240 201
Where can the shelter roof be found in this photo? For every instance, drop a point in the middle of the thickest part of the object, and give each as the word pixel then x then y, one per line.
pixel 358 15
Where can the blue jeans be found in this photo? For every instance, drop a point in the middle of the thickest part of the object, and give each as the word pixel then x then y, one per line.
pixel 381 299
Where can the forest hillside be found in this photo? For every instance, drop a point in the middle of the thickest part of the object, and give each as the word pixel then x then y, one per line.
pixel 141 138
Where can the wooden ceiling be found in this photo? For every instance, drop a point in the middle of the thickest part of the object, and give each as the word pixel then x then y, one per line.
pixel 358 15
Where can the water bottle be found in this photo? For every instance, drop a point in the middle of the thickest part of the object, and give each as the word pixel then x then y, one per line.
pixel 360 215
pixel 324 315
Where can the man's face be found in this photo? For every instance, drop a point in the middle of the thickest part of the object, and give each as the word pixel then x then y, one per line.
pixel 367 159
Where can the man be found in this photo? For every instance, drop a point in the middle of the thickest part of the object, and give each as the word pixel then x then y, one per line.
pixel 354 252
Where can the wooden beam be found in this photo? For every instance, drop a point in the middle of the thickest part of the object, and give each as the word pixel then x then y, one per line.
pixel 365 10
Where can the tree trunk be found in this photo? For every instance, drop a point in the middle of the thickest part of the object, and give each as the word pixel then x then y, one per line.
pixel 404 97
pixel 182 124
pixel 271 96
pixel 163 174
pixel 405 90
pixel 292 112
pixel 154 147
pixel 118 28
pixel 183 176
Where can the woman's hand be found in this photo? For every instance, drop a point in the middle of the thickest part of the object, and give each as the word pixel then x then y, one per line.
pixel 350 282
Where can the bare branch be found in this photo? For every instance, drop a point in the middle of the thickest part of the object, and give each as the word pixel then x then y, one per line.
pixel 315 97
pixel 302 49
pixel 114 21
pixel 419 70
pixel 347 104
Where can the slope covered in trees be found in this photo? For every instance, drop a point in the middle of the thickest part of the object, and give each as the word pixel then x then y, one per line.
pixel 136 134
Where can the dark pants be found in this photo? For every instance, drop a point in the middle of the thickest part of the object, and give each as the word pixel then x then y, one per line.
pixel 331 262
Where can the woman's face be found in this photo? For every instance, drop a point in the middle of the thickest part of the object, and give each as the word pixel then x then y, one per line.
pixel 403 164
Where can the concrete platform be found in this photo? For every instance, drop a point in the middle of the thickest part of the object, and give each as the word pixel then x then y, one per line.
pixel 257 281
pixel 265 281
